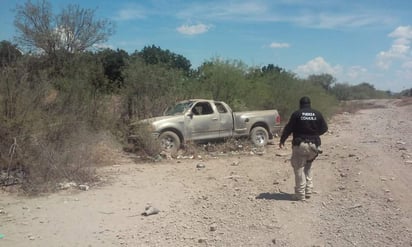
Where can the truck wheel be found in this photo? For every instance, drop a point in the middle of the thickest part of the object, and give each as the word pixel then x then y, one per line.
pixel 259 136
pixel 169 142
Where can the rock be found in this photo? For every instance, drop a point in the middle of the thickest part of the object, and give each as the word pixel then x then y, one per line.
pixel 84 187
pixel 356 206
pixel 161 156
pixel 67 185
pixel 236 163
pixel 200 166
pixel 390 199
pixel 149 210
pixel 201 240
pixel 408 162
pixel 213 227
pixel 259 152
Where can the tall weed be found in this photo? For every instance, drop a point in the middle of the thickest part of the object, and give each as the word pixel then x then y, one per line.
pixel 50 124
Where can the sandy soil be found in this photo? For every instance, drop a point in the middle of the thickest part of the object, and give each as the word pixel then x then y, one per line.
pixel 363 184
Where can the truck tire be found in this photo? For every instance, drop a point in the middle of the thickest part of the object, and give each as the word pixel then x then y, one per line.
pixel 259 136
pixel 170 142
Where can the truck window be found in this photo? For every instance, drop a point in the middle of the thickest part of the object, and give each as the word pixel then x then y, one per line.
pixel 220 107
pixel 202 108
pixel 179 108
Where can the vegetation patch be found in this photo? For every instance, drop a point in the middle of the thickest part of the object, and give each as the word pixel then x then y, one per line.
pixel 354 106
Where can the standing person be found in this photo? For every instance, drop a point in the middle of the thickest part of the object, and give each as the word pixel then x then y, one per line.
pixel 307 125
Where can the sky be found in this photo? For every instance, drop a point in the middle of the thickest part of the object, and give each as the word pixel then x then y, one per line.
pixel 355 41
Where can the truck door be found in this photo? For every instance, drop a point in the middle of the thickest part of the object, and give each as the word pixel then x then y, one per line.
pixel 226 120
pixel 205 122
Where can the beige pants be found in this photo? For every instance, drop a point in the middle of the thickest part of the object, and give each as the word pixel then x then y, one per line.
pixel 302 157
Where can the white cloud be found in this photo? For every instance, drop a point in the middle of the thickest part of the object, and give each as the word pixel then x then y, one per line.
pixel 130 13
pixel 339 20
pixel 279 45
pixel 244 9
pixel 407 65
pixel 402 32
pixel 325 15
pixel 221 10
pixel 383 60
pixel 400 49
pixel 193 29
pixel 356 73
pixel 318 65
pixel 103 46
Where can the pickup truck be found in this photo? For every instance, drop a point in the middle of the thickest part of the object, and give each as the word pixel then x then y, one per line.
pixel 201 120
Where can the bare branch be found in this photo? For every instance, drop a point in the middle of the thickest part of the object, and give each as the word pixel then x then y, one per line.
pixel 73 30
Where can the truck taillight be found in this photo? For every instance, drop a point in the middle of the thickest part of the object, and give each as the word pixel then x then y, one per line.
pixel 278 119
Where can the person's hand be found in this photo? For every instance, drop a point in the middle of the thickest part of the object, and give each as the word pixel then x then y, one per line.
pixel 281 145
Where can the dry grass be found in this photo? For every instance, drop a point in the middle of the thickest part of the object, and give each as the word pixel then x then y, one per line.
pixel 141 141
pixel 354 106
pixel 222 146
pixel 38 166
pixel 404 101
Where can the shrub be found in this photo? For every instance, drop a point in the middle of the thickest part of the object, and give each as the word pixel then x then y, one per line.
pixel 141 141
pixel 51 126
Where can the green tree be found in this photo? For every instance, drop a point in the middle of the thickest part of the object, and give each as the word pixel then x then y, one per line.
pixel 360 91
pixel 113 63
pixel 223 80
pixel 149 88
pixel 155 55
pixel 9 53
pixel 270 68
pixel 324 80
pixel 342 91
pixel 406 92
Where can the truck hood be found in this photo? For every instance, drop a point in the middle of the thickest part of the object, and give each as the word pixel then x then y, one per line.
pixel 158 122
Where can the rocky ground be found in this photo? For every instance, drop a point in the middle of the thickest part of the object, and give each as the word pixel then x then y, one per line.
pixel 362 180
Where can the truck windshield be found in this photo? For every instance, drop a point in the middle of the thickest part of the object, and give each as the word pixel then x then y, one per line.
pixel 179 108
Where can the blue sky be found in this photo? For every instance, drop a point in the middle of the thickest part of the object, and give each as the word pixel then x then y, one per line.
pixel 354 40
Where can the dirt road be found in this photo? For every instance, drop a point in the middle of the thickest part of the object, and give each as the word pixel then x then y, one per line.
pixel 363 184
